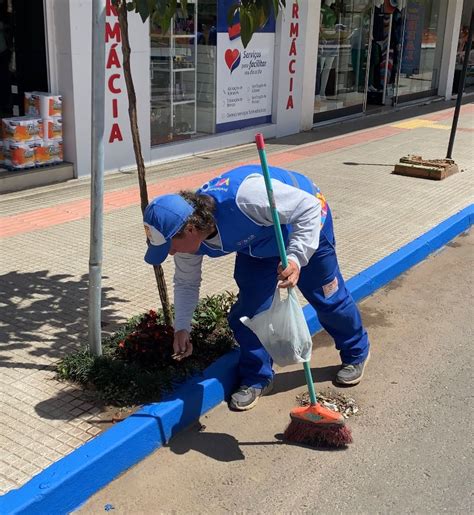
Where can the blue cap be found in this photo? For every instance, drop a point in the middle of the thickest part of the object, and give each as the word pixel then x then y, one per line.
pixel 164 217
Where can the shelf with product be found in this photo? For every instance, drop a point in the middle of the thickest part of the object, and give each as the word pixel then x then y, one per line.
pixel 173 73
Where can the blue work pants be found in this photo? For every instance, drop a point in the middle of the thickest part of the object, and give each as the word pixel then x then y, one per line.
pixel 322 285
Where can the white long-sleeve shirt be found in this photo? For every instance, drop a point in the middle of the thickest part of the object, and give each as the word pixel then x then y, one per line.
pixel 296 207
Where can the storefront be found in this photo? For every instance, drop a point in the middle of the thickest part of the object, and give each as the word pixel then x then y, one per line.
pixel 199 90
pixel 377 53
pixel 203 81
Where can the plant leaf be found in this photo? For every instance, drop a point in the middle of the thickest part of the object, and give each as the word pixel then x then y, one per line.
pixel 231 13
pixel 267 8
pixel 143 9
pixel 246 26
pixel 151 6
pixel 276 6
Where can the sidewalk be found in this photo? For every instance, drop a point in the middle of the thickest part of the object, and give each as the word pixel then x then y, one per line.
pixel 45 251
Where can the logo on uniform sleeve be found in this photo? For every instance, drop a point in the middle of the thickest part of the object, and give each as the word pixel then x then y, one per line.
pixel 222 182
pixel 217 184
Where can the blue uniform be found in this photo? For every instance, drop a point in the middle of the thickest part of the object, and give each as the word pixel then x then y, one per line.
pixel 255 272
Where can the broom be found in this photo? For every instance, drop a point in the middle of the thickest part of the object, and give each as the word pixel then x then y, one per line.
pixel 313 425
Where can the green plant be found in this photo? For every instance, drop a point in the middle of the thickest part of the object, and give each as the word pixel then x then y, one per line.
pixel 136 365
pixel 211 312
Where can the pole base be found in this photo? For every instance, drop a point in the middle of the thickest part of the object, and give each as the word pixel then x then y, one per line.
pixel 434 169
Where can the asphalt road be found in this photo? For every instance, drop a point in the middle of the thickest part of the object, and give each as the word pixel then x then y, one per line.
pixel 413 437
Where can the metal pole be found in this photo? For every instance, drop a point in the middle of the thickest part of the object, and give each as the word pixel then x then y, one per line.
pixel 462 81
pixel 97 179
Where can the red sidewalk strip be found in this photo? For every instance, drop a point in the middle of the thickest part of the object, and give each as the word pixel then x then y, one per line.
pixel 448 113
pixel 30 221
pixel 77 209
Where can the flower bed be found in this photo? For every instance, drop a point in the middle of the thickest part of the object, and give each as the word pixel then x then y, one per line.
pixel 136 364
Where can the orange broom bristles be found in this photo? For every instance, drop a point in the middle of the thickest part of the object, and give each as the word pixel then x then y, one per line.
pixel 317 426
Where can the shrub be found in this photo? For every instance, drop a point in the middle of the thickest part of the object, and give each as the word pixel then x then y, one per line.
pixel 136 365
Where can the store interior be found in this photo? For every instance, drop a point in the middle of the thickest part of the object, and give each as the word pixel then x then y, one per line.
pixel 23 65
pixel 183 74
pixel 375 53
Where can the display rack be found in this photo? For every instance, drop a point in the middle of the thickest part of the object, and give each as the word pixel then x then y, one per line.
pixel 174 79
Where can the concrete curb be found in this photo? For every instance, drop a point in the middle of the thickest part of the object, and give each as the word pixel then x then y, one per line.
pixel 68 483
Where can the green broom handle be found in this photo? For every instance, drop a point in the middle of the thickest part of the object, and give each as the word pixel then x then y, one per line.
pixel 281 245
pixel 268 183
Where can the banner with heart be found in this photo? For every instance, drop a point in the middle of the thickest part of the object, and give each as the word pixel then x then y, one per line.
pixel 232 58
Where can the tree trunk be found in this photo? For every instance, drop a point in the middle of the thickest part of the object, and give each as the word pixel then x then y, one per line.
pixel 132 112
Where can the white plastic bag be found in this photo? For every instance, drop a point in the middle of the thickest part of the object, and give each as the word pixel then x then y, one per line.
pixel 282 330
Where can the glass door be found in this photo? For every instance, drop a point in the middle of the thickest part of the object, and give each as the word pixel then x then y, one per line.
pixel 385 52
pixel 343 51
pixel 423 34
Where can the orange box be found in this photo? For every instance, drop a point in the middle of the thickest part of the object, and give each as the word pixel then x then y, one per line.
pixel 48 152
pixel 6 155
pixel 51 128
pixel 22 155
pixel 54 105
pixel 46 105
pixel 32 104
pixel 21 129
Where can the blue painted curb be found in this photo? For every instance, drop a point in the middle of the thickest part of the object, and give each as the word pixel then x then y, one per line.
pixel 68 483
pixel 381 273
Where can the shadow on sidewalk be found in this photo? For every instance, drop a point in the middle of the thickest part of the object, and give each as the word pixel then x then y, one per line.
pixel 45 316
pixel 353 163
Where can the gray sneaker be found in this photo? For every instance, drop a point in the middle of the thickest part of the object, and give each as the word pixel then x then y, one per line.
pixel 351 374
pixel 246 397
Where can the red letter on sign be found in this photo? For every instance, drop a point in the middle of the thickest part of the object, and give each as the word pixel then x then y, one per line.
pixel 293 47
pixel 115 133
pixel 115 107
pixel 295 11
pixel 289 104
pixel 111 84
pixel 294 29
pixel 113 59
pixel 291 66
pixel 112 33
pixel 110 9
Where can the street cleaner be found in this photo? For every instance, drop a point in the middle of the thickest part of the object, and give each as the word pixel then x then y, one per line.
pixel 231 213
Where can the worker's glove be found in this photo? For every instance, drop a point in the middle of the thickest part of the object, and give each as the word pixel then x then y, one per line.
pixel 289 277
pixel 182 345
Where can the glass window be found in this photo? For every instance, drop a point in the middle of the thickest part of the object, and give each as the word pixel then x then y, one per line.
pixel 460 53
pixel 422 46
pixel 182 71
pixel 342 54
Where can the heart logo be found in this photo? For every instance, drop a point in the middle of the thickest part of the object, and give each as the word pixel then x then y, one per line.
pixel 232 58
